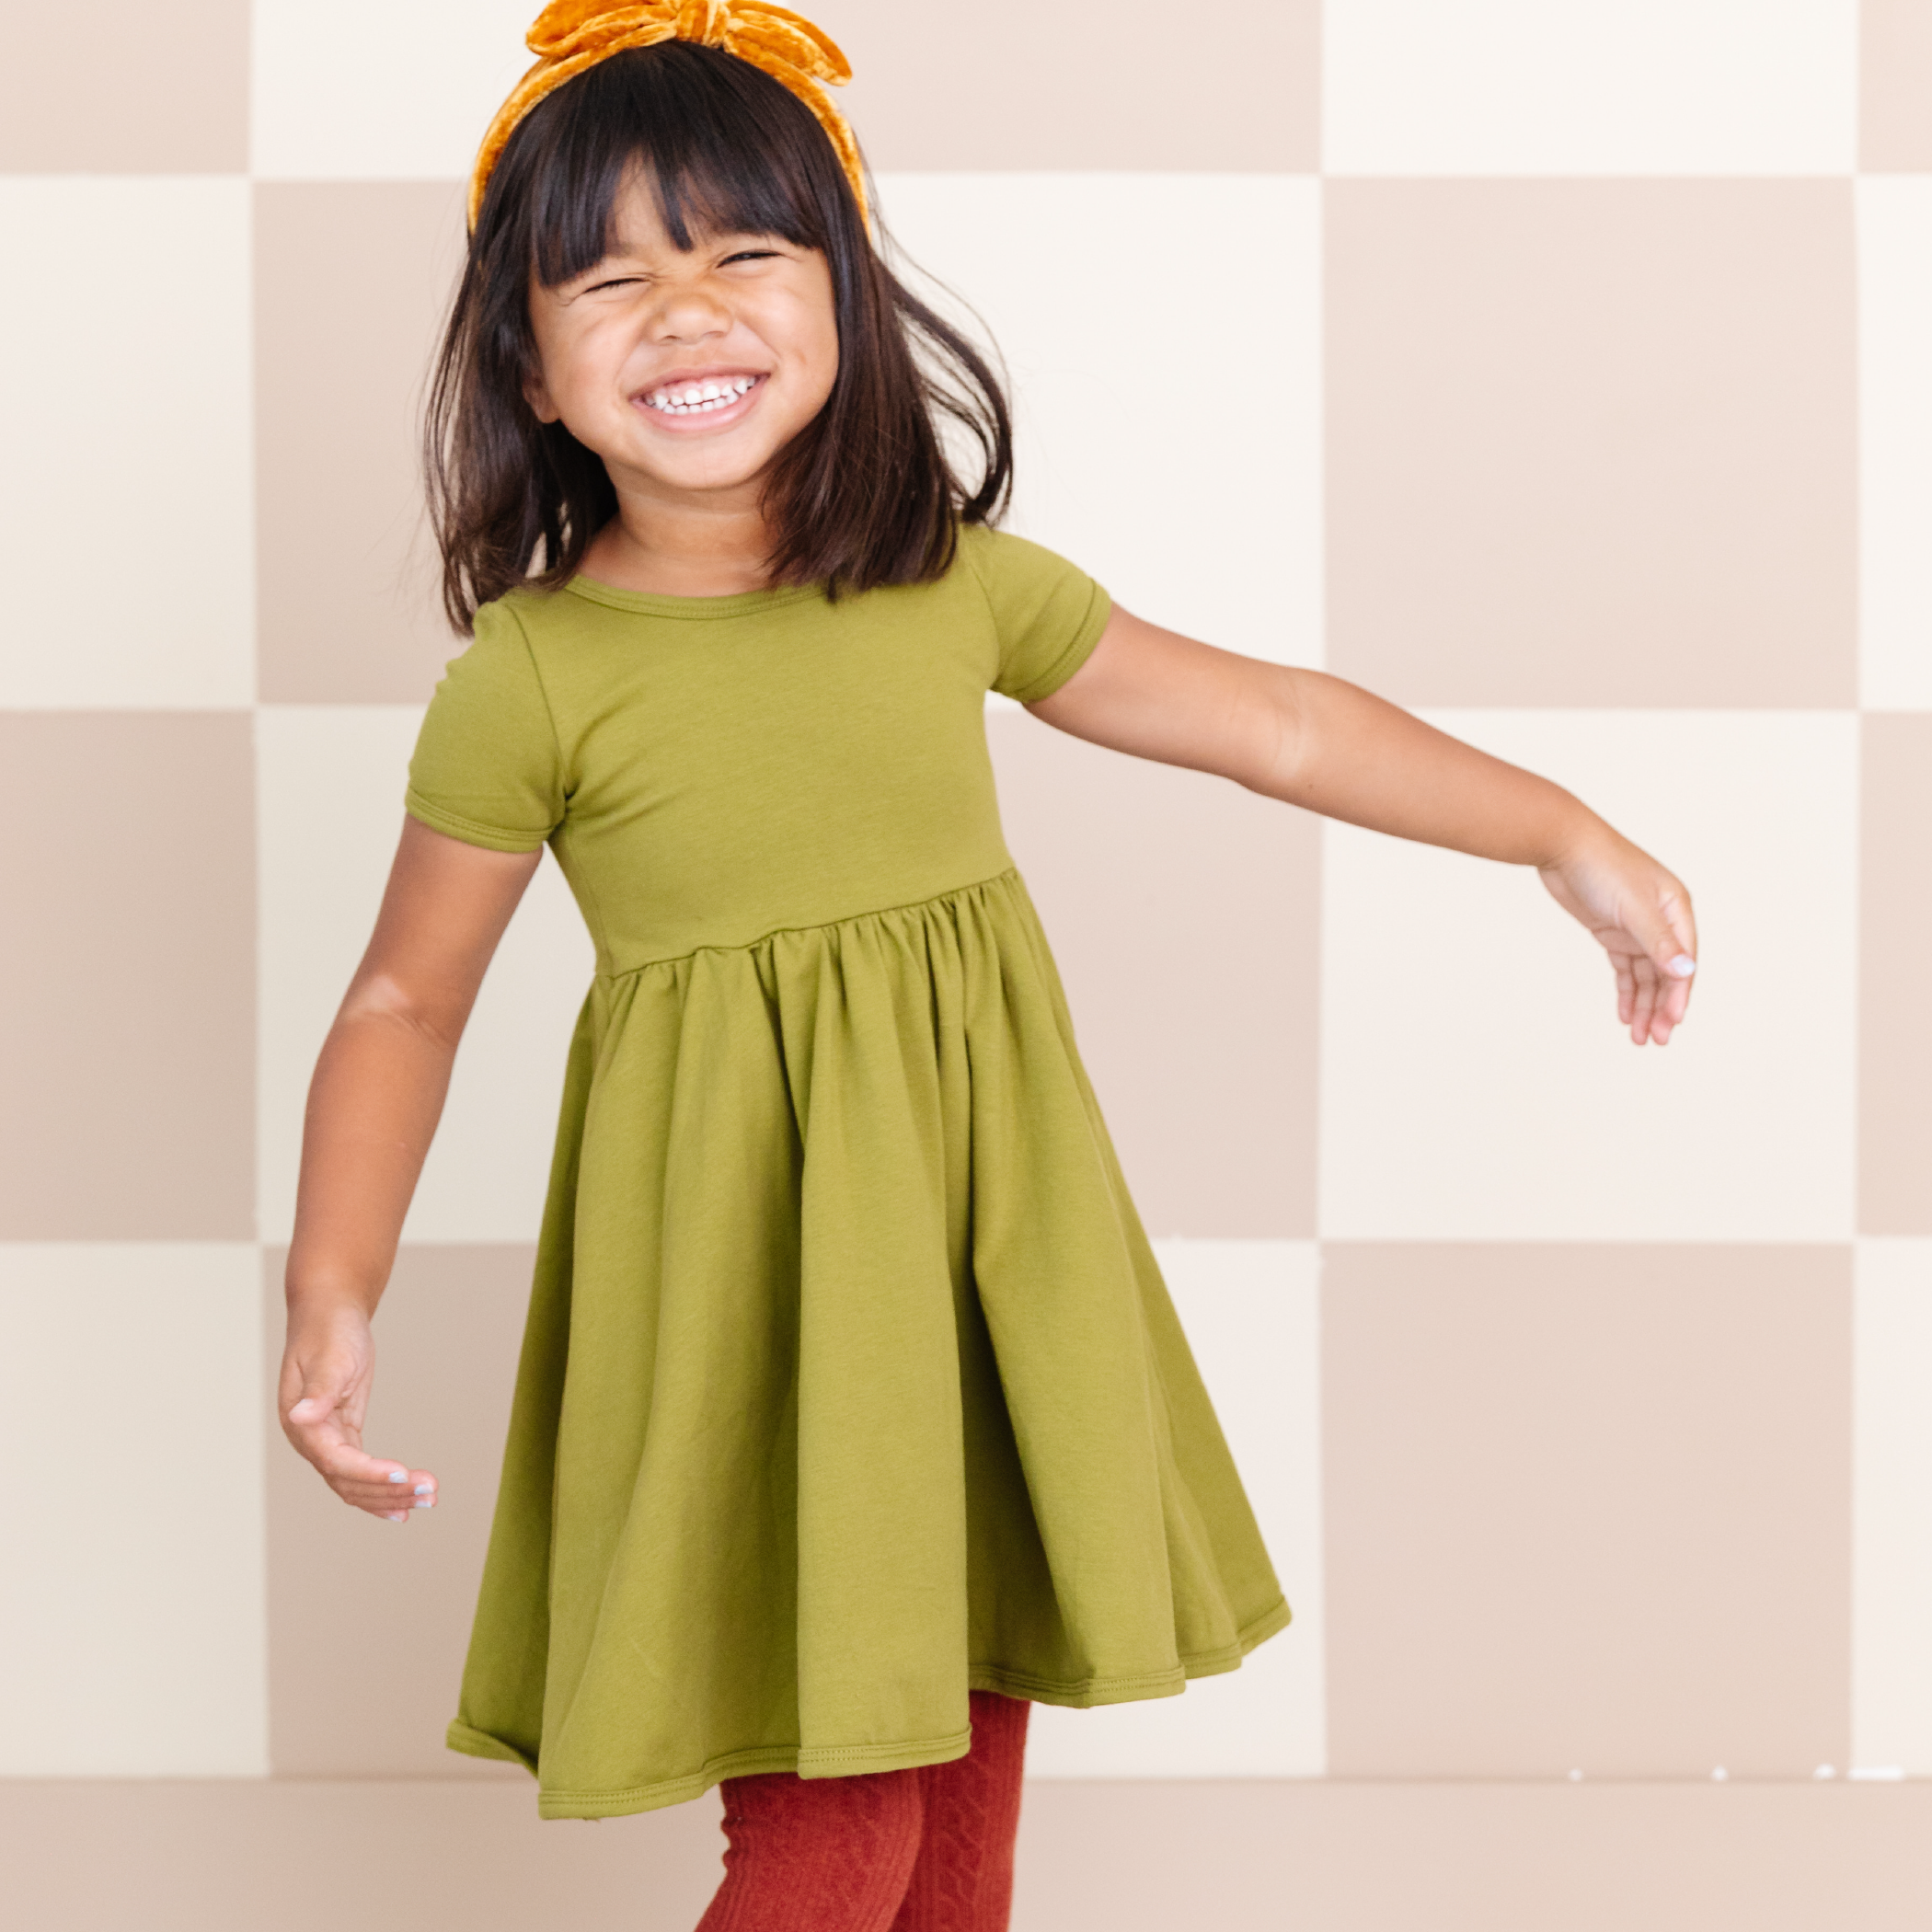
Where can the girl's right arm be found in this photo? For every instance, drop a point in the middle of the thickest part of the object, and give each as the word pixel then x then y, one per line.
pixel 372 1108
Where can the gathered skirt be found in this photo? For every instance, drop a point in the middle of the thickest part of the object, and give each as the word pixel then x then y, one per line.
pixel 850 1383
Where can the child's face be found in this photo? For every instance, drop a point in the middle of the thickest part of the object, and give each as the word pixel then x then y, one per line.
pixel 686 373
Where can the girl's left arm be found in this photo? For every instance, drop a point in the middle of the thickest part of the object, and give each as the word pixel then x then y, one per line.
pixel 1331 747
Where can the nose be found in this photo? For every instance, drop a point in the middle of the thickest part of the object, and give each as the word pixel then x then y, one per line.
pixel 689 316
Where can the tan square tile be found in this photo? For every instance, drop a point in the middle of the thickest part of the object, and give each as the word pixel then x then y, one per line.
pixel 127 1065
pixel 1182 910
pixel 1132 84
pixel 124 87
pixel 368 1621
pixel 1895 940
pixel 1895 104
pixel 1588 1507
pixel 1592 443
pixel 350 282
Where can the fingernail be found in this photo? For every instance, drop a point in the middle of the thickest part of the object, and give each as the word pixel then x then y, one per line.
pixel 398 1476
pixel 397 1516
pixel 1682 967
pixel 425 1488
pixel 425 1502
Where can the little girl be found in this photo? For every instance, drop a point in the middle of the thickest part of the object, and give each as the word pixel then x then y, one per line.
pixel 853 1414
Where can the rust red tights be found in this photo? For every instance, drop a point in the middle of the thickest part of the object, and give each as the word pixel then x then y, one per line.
pixel 926 1850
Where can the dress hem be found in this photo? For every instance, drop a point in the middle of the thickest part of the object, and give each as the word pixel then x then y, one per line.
pixel 843 1760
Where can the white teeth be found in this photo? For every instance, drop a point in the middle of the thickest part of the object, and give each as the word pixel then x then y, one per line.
pixel 694 398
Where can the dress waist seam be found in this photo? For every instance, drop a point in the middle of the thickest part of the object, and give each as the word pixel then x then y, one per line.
pixel 816 926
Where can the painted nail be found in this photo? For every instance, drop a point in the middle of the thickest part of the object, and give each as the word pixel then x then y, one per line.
pixel 425 1488
pixel 425 1502
pixel 1682 966
pixel 397 1516
pixel 398 1476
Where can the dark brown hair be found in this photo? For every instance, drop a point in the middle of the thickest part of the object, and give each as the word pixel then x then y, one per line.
pixel 865 494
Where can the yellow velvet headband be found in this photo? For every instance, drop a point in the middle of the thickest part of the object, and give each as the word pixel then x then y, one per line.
pixel 570 35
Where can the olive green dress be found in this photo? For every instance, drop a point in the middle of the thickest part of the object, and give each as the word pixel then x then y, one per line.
pixel 850 1382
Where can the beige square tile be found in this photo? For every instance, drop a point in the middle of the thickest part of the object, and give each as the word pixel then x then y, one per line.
pixel 1182 913
pixel 150 388
pixel 1472 1855
pixel 1251 1311
pixel 1130 84
pixel 1579 88
pixel 1589 1507
pixel 351 282
pixel 1891 1576
pixel 1895 443
pixel 1248 1855
pixel 1592 443
pixel 421 1856
pixel 1475 1082
pixel 331 781
pixel 127 1063
pixel 1895 107
pixel 1895 938
pixel 148 91
pixel 367 90
pixel 1203 517
pixel 369 1621
pixel 131 1599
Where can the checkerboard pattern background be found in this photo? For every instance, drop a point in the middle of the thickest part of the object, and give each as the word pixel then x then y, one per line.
pixel 1562 369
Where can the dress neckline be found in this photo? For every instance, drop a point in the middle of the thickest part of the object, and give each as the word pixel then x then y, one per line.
pixel 652 604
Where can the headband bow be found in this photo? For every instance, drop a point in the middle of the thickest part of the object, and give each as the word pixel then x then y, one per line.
pixel 570 35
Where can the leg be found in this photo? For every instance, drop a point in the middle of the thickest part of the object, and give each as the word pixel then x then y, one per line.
pixel 816 1854
pixel 962 1880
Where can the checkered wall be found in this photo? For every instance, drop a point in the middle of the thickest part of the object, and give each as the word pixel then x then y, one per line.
pixel 1559 368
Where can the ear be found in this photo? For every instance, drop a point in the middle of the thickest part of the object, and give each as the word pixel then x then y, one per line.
pixel 536 392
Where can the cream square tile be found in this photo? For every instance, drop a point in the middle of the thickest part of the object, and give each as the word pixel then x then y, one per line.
pixel 360 91
pixel 1592 443
pixel 147 600
pixel 1251 1311
pixel 1202 517
pixel 1585 86
pixel 1475 1084
pixel 1891 1473
pixel 331 781
pixel 1895 443
pixel 131 1609
pixel 1589 1507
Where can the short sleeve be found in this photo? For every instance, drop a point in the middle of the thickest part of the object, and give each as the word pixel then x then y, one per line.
pixel 487 768
pixel 1049 616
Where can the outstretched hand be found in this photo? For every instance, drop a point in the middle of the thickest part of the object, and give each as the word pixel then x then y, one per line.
pixel 325 1376
pixel 1641 915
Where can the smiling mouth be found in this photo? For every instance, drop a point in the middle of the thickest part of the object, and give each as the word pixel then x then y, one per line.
pixel 704 395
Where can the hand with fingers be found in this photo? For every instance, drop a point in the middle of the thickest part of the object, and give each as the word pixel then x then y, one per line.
pixel 326 1371
pixel 1640 915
